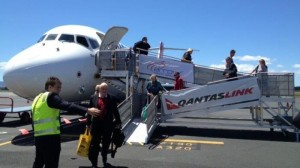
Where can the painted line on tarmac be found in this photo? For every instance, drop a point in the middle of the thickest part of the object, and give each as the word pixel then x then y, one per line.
pixel 5 143
pixel 194 141
pixel 135 143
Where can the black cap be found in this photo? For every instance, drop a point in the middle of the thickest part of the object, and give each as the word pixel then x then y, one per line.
pixel 144 39
pixel 176 73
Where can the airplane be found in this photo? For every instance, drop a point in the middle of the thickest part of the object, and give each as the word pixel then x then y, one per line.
pixel 67 52
pixel 70 52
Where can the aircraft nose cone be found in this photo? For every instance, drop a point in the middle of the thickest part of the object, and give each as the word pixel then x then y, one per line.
pixel 10 75
pixel 19 74
pixel 13 78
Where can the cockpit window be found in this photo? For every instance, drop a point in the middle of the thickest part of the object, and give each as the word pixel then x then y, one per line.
pixel 66 37
pixel 51 37
pixel 82 40
pixel 42 38
pixel 94 43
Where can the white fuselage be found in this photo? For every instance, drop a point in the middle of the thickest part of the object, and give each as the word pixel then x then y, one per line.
pixel 72 62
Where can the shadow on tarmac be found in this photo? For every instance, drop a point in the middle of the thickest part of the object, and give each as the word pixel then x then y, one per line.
pixel 164 132
pixel 13 124
pixel 69 132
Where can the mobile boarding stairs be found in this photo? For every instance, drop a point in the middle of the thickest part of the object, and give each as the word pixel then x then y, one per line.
pixel 269 97
pixel 274 109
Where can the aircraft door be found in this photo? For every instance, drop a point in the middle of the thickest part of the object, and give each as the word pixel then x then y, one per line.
pixel 109 42
pixel 112 38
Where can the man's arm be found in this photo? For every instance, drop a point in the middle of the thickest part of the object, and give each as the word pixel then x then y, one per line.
pixel 148 88
pixel 255 69
pixel 161 88
pixel 55 101
pixel 89 117
pixel 136 45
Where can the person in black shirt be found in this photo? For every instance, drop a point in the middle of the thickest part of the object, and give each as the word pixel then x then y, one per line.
pixel 103 125
pixel 187 56
pixel 154 87
pixel 141 47
pixel 231 70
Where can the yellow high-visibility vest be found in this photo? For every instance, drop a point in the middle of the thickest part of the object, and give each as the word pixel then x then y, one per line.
pixel 46 120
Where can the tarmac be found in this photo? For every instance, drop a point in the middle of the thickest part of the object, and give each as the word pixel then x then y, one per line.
pixel 183 142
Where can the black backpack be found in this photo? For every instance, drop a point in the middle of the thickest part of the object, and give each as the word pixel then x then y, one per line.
pixel 117 139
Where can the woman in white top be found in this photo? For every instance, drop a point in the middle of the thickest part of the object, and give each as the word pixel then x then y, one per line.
pixel 262 67
pixel 261 71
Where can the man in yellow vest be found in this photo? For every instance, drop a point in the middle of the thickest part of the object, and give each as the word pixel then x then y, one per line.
pixel 46 123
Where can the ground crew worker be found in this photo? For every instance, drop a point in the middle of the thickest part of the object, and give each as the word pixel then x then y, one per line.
pixel 46 123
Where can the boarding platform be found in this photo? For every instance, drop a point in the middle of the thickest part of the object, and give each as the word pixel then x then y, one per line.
pixel 268 98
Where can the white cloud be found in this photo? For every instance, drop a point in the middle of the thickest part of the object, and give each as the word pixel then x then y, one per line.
pixel 279 66
pixel 296 65
pixel 246 68
pixel 220 66
pixel 2 65
pixel 252 58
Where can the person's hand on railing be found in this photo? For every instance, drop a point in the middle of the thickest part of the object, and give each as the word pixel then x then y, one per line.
pixel 253 74
pixel 151 95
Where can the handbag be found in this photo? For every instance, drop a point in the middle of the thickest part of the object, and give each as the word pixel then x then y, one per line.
pixel 84 144
pixel 144 114
pixel 117 140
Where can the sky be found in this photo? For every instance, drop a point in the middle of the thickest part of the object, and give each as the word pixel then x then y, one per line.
pixel 256 29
